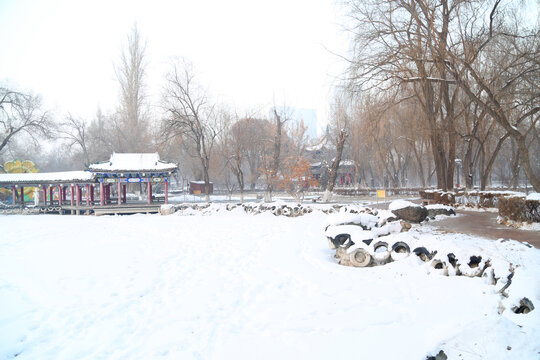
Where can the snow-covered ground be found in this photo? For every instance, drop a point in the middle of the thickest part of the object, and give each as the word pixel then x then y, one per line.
pixel 232 285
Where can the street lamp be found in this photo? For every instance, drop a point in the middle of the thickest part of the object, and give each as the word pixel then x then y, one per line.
pixel 458 166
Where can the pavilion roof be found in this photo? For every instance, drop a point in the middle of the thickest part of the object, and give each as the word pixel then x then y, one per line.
pixel 133 162
pixel 47 178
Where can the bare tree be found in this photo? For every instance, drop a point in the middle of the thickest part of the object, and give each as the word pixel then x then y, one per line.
pixel 132 117
pixel 510 94
pixel 75 132
pixel 271 156
pixel 339 129
pixel 21 113
pixel 191 116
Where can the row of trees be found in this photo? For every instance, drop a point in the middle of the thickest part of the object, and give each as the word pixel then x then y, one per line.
pixel 433 81
pixel 429 82
pixel 207 139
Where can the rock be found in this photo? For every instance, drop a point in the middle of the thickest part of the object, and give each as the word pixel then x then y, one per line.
pixel 432 212
pixel 167 209
pixel 405 226
pixel 414 214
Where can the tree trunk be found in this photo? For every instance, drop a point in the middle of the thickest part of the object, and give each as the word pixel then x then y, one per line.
pixel 335 164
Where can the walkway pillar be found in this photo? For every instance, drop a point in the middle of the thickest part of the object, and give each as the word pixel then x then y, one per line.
pixel 77 194
pixel 119 188
pixel 124 186
pixel 13 195
pixel 72 194
pixel 60 195
pixel 92 194
pixel 87 194
pixel 44 195
pixel 51 195
pixel 101 194
pixel 64 193
pixel 22 195
pixel 166 192
pixel 149 190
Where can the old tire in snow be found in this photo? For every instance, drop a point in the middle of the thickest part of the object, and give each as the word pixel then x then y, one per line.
pixel 422 253
pixel 400 250
pixel 381 252
pixel 360 258
pixel 331 244
pixel 439 267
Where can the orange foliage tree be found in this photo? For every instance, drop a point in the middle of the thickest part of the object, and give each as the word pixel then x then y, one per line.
pixel 296 176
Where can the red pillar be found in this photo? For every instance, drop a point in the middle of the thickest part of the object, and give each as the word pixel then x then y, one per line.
pixel 64 193
pixel 108 194
pixel 92 194
pixel 166 192
pixel 124 186
pixel 22 195
pixel 45 195
pixel 101 194
pixel 119 188
pixel 60 195
pixel 149 190
pixel 72 194
pixel 77 194
pixel 51 195
pixel 13 195
pixel 87 194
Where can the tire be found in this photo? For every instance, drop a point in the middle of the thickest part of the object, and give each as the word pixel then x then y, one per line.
pixel 423 254
pixel 525 306
pixel 342 240
pixel 439 266
pixel 400 250
pixel 360 258
pixel 381 252
pixel 331 244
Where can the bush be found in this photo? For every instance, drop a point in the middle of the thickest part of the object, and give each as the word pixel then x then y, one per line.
pixel 518 208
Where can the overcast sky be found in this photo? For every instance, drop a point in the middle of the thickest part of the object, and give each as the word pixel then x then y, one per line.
pixel 248 53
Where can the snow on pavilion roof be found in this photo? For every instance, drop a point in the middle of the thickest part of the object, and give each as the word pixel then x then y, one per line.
pixel 47 177
pixel 133 162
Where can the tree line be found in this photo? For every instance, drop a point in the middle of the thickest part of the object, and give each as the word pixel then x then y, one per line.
pixel 443 83
pixel 434 88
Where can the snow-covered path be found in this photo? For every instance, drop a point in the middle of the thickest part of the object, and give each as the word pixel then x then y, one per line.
pixel 231 285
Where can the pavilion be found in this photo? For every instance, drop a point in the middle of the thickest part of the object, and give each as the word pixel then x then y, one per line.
pixel 108 176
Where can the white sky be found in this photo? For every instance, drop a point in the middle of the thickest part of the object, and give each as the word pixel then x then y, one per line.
pixel 248 53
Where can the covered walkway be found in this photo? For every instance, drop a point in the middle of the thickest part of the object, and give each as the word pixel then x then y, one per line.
pixel 101 189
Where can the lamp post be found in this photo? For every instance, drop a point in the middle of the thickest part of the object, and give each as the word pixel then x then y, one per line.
pixel 458 166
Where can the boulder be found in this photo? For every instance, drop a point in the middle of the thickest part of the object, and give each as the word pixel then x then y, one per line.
pixel 432 212
pixel 167 209
pixel 414 214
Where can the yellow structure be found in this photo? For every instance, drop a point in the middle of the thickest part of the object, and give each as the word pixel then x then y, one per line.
pixel 21 167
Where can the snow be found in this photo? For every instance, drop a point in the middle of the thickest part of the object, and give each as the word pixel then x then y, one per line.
pixel 133 162
pixel 400 204
pixel 439 206
pixel 62 176
pixel 233 285
pixel 366 220
pixel 533 196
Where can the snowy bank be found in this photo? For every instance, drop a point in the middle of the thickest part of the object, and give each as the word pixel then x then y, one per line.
pixel 232 285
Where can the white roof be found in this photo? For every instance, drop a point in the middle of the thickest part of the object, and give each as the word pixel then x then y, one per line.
pixel 133 162
pixel 47 177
